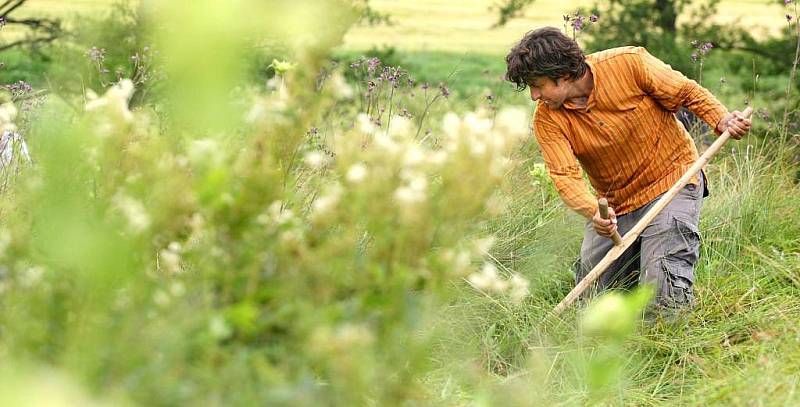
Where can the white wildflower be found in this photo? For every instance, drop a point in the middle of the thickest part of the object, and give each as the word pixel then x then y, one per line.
pixel 205 152
pixel 133 211
pixel 477 125
pixel 459 261
pixel 115 101
pixel 257 112
pixel 276 214
pixel 291 238
pixel 399 127
pixel 519 288
pixel 365 125
pixel 437 158
pixel 169 259
pixel 345 338
pixel 197 225
pixel 477 148
pixel 414 155
pixel 386 143
pixel 451 125
pixel 356 173
pixel 513 122
pixel 607 315
pixel 8 112
pixel 326 203
pixel 315 159
pixel 30 276
pixel 483 245
pixel 487 279
pixel 497 204
pixel 353 335
pixel 499 166
pixel 341 89
pixel 219 328
pixel 413 191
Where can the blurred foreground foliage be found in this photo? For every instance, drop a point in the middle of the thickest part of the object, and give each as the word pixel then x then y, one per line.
pixel 226 242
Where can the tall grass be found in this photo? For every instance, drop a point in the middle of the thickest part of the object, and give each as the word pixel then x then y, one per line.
pixel 306 242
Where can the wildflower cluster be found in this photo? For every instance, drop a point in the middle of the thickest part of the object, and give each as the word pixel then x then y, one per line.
pixel 489 281
pixel 143 69
pixel 701 50
pixel 578 22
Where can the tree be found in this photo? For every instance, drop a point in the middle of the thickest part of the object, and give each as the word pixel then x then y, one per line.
pixel 42 30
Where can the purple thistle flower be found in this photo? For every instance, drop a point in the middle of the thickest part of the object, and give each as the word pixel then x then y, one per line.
pixel 694 57
pixel 593 18
pixel 444 90
pixel 3 22
pixel 410 83
pixel 787 2
pixel 371 86
pixel 19 89
pixel 577 23
pixel 788 18
pixel 372 64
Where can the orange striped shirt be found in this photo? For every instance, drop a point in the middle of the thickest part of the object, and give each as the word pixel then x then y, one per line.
pixel 627 139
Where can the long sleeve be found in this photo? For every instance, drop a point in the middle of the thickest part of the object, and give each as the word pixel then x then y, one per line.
pixel 563 167
pixel 672 89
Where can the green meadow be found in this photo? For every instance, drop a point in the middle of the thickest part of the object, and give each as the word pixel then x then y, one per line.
pixel 221 203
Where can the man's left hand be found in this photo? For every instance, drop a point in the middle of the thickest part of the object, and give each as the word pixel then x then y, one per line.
pixel 735 123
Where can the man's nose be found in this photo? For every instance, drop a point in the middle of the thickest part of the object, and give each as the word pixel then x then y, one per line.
pixel 535 95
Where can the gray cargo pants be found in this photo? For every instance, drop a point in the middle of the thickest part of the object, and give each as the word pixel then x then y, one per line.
pixel 664 254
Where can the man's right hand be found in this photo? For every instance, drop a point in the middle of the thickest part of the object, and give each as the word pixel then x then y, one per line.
pixel 605 227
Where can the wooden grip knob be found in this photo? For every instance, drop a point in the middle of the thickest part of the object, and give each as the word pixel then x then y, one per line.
pixel 602 203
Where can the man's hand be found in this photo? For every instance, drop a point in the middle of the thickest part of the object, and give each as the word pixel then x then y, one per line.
pixel 735 123
pixel 605 227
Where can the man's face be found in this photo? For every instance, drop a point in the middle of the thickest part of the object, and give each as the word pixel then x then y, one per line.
pixel 548 91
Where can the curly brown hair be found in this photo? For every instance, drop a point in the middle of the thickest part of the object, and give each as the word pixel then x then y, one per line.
pixel 544 52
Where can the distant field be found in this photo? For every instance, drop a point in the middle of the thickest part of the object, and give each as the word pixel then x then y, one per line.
pixel 450 25
pixel 463 25
pixel 62 8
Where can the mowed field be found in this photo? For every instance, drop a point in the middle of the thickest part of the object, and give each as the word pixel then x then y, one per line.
pixel 449 25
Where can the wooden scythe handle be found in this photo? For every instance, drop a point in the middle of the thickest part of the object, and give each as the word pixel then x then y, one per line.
pixel 631 236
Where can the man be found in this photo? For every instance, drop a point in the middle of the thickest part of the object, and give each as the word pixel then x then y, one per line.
pixel 611 114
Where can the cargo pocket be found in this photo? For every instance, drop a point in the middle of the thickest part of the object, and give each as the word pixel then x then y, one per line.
pixel 678 265
pixel 676 290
